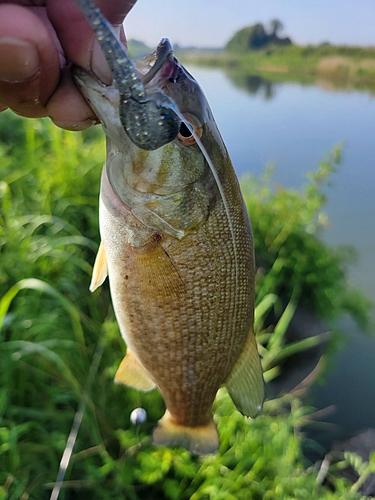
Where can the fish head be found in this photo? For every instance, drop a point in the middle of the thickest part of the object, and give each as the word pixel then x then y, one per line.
pixel 161 72
pixel 151 181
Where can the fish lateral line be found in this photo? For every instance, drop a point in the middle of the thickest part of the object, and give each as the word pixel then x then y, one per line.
pixel 220 187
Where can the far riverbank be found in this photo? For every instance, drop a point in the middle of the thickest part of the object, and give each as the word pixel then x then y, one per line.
pixel 337 67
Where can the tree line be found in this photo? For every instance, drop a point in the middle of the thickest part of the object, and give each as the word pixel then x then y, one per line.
pixel 257 36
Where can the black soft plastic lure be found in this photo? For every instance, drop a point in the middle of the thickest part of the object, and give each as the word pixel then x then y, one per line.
pixel 149 120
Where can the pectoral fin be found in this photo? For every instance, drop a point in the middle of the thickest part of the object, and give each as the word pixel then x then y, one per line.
pixel 132 373
pixel 245 382
pixel 158 273
pixel 100 270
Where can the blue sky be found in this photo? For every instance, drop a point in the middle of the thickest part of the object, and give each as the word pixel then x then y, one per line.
pixel 211 23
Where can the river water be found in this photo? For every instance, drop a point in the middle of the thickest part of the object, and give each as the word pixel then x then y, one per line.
pixel 294 126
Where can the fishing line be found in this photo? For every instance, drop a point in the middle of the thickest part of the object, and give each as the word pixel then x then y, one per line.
pixel 65 459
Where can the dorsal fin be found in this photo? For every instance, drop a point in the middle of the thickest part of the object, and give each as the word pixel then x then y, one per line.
pixel 245 382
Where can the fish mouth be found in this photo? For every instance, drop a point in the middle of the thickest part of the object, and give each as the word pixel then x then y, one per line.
pixel 156 60
pixel 159 66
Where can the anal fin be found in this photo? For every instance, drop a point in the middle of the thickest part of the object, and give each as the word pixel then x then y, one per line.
pixel 132 373
pixel 245 382
pixel 100 270
pixel 201 440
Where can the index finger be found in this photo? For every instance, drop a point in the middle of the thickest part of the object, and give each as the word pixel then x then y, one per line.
pixel 78 39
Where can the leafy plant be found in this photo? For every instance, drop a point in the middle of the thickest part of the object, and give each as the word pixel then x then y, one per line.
pixel 337 461
pixel 362 467
pixel 272 344
pixel 53 329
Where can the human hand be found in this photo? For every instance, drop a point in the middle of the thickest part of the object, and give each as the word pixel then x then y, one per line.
pixel 38 42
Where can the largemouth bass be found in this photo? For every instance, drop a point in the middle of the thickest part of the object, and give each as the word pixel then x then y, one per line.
pixel 176 244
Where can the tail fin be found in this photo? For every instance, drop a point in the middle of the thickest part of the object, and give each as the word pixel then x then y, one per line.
pixel 201 440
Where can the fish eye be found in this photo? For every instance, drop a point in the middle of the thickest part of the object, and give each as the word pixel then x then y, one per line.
pixel 185 135
pixel 185 132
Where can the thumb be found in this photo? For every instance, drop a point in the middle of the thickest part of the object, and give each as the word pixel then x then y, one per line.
pixel 29 61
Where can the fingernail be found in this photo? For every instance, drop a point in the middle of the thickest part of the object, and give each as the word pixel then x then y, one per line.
pixel 19 60
pixel 75 126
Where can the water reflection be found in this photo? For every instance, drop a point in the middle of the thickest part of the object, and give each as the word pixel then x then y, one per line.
pixel 254 84
pixel 257 84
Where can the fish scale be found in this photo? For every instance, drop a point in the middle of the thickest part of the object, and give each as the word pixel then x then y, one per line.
pixel 177 247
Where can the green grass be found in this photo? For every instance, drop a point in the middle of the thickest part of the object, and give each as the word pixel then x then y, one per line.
pixel 51 328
